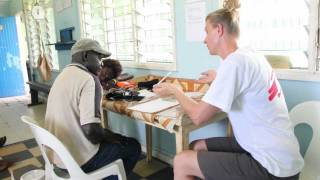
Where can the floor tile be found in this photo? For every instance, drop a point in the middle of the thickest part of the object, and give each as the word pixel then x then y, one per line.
pixel 133 176
pixel 4 174
pixel 41 160
pixel 145 169
pixel 30 161
pixel 6 150
pixel 35 151
pixel 164 174
pixel 19 156
pixel 31 143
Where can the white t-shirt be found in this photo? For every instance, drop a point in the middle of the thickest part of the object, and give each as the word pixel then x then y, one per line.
pixel 247 89
pixel 73 101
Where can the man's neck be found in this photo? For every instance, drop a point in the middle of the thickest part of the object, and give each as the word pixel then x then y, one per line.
pixel 78 65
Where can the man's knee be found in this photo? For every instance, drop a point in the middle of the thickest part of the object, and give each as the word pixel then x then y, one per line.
pixel 199 145
pixel 177 161
pixel 136 143
pixel 186 164
pixel 181 160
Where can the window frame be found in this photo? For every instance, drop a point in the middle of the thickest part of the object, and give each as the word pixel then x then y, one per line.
pixel 53 54
pixel 167 66
pixel 313 71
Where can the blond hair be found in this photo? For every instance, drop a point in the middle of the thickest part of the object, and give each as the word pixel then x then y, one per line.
pixel 228 16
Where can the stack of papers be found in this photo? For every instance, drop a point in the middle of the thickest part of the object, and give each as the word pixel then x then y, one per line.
pixel 154 104
pixel 146 93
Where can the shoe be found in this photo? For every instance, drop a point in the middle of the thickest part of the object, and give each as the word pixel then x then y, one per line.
pixel 3 140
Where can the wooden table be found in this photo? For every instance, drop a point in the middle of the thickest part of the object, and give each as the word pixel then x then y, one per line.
pixel 179 124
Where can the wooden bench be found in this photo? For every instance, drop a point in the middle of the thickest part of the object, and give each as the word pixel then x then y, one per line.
pixel 35 87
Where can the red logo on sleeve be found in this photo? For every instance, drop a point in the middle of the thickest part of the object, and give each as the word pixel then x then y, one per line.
pixel 274 89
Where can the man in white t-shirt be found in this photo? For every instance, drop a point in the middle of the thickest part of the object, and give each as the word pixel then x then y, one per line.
pixel 73 114
pixel 246 88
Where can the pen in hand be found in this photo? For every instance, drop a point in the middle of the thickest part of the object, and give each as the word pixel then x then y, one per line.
pixel 164 77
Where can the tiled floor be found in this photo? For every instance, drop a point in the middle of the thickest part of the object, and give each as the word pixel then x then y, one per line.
pixel 27 156
pixel 11 109
pixel 22 148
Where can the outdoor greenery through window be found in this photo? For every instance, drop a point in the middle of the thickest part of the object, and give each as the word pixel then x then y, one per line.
pixel 42 29
pixel 284 30
pixel 139 33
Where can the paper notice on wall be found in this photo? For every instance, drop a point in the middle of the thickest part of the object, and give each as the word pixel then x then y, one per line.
pixel 62 4
pixel 67 4
pixel 195 14
pixel 58 6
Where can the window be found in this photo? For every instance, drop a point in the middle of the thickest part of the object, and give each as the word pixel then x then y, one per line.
pixel 286 32
pixel 139 33
pixel 38 30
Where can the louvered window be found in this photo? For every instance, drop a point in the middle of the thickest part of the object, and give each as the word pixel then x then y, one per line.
pixel 41 30
pixel 286 31
pixel 139 33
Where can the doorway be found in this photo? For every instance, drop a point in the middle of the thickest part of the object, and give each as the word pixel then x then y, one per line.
pixel 13 55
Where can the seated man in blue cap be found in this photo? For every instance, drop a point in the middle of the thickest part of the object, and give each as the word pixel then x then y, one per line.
pixel 73 113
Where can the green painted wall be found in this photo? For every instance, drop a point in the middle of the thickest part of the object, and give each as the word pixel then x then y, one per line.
pixel 4 10
pixel 15 7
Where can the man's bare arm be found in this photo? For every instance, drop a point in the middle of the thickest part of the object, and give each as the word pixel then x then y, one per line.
pixel 96 134
pixel 199 112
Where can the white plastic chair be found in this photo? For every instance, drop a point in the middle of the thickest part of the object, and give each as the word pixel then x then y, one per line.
pixel 309 113
pixel 45 139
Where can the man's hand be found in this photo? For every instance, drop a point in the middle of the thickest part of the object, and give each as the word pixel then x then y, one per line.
pixel 165 89
pixel 96 134
pixel 207 77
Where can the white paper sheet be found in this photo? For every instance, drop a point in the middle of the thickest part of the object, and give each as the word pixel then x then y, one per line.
pixel 154 106
pixel 195 14
pixel 58 6
pixel 67 4
pixel 146 93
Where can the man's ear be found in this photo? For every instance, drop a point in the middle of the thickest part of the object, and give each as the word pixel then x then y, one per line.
pixel 78 57
pixel 84 56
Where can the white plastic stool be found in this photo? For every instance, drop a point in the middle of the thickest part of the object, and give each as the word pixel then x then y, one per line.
pixel 36 174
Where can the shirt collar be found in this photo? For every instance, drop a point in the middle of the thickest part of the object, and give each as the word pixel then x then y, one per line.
pixel 79 65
